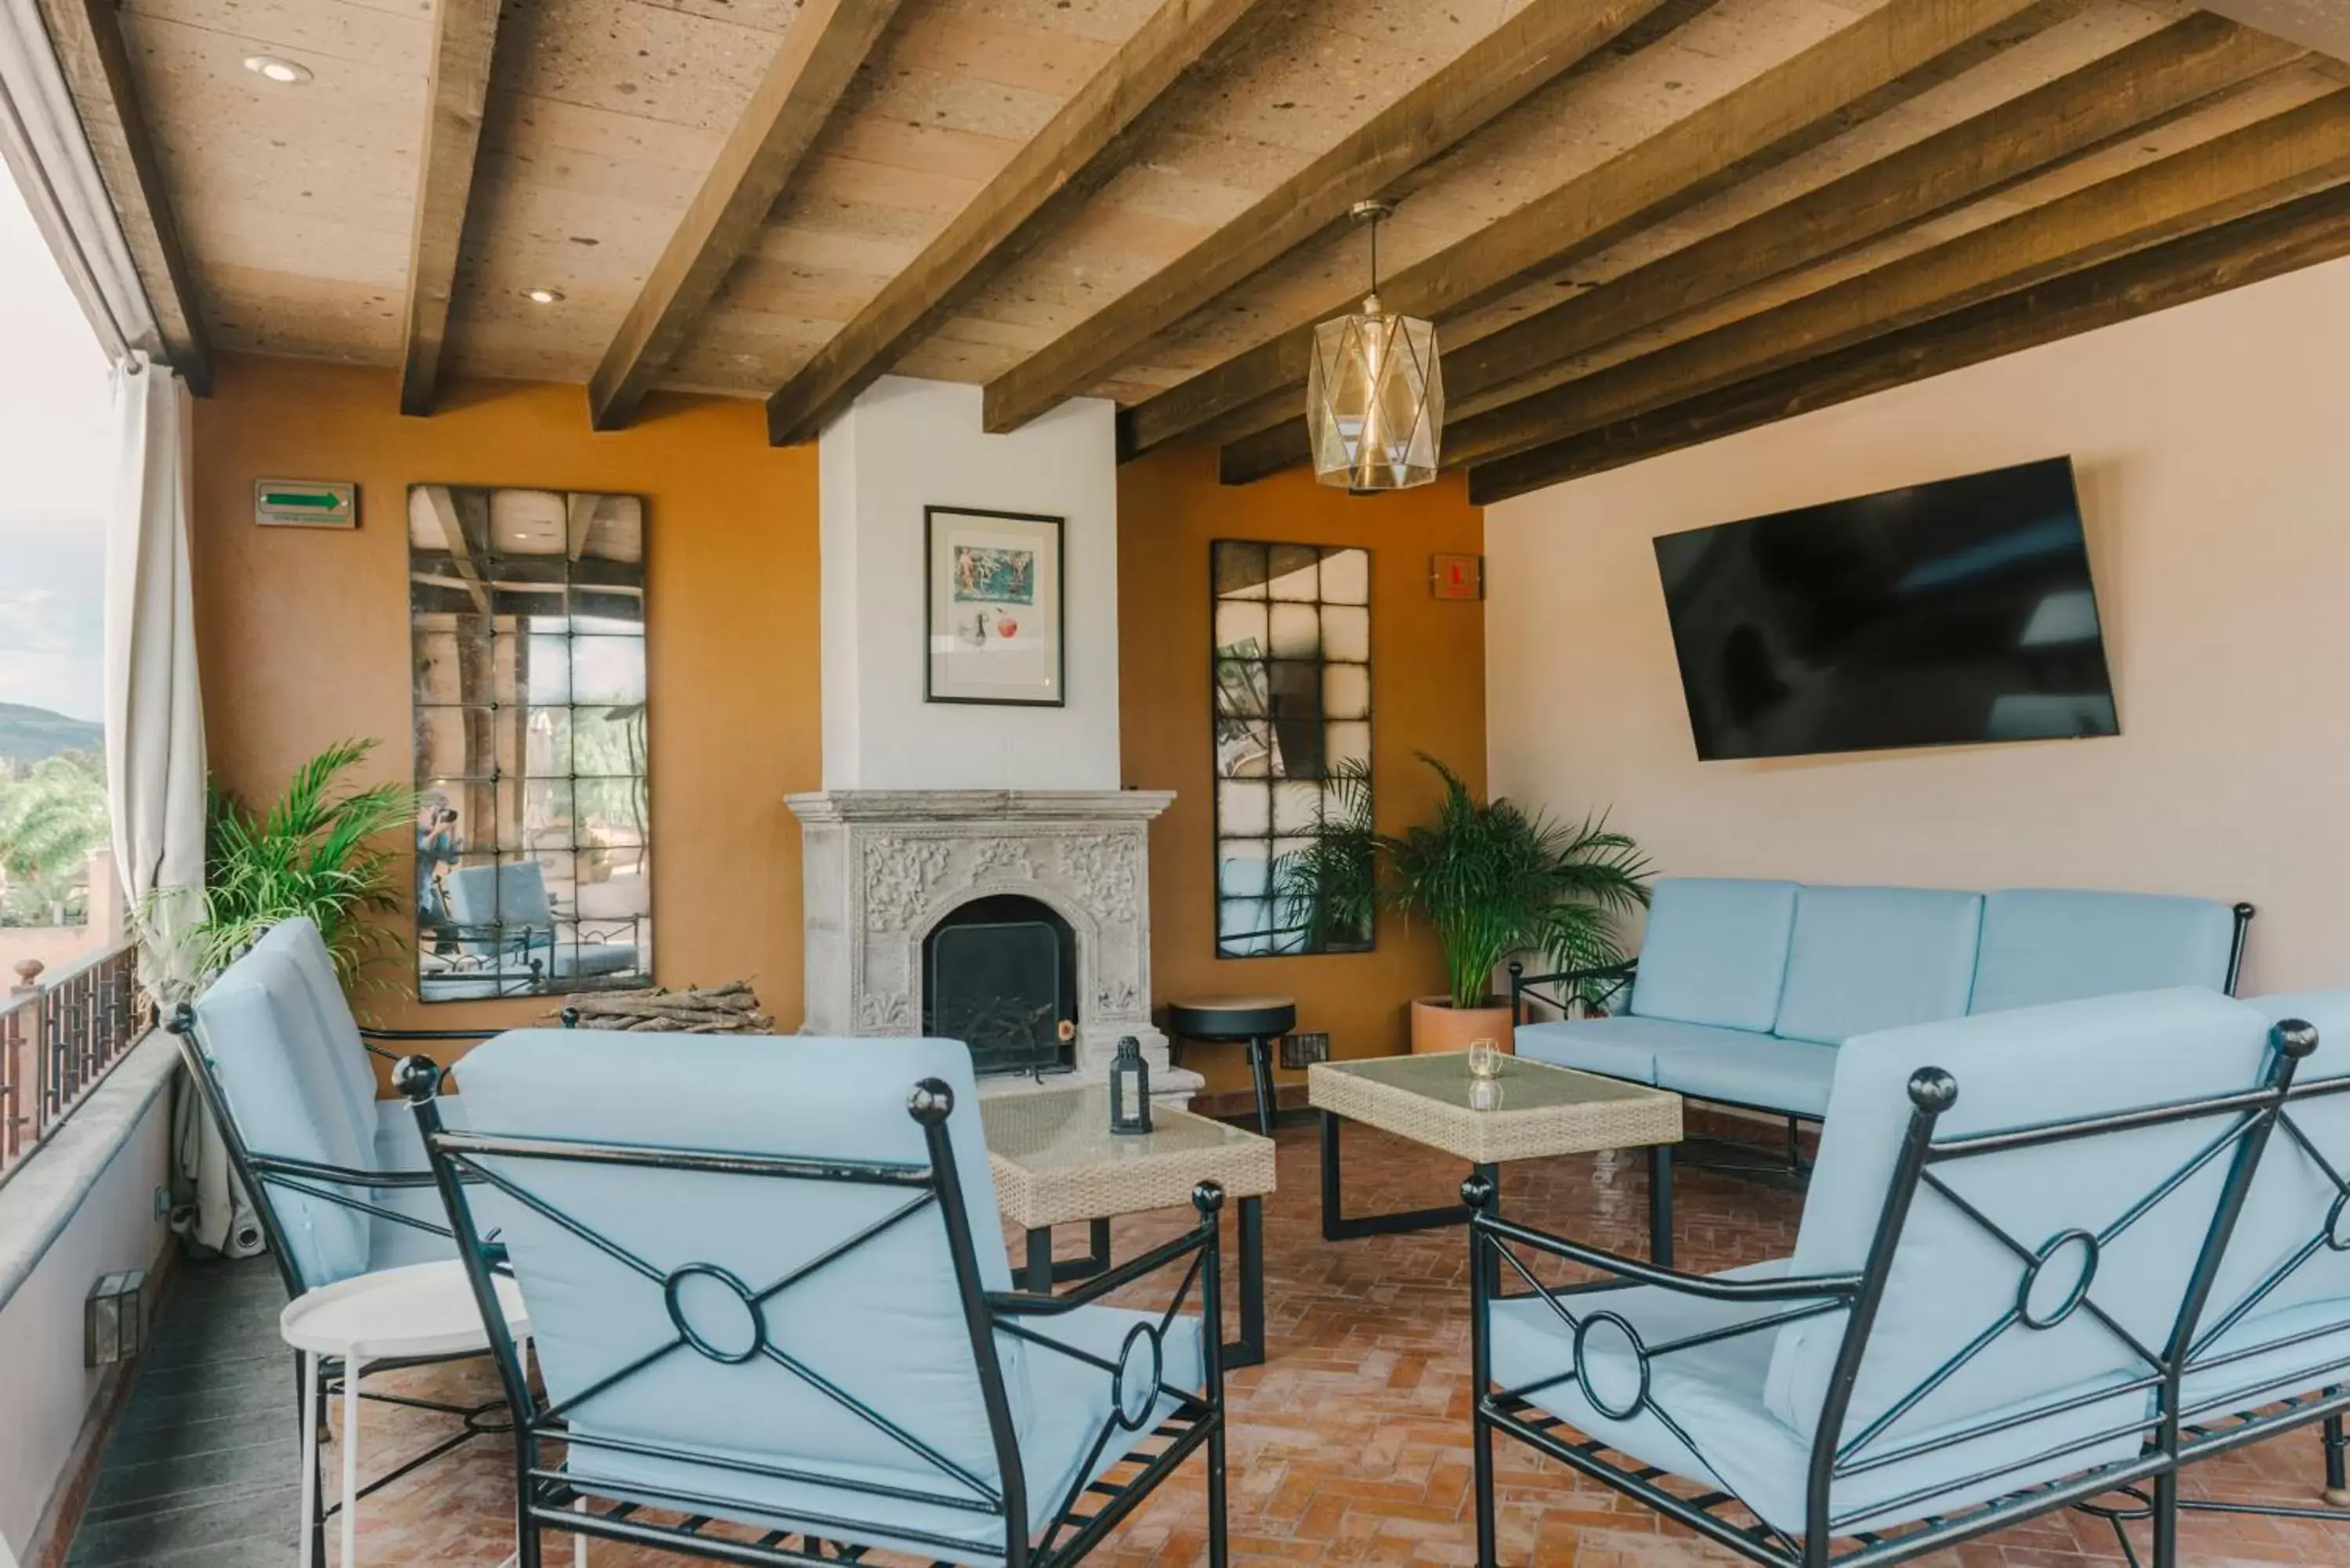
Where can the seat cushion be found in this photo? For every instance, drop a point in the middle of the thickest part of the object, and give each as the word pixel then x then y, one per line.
pixel 1068 1400
pixel 593 959
pixel 2041 945
pixel 1758 1070
pixel 1865 958
pixel 399 1147
pixel 1621 1047
pixel 1707 1398
pixel 1715 951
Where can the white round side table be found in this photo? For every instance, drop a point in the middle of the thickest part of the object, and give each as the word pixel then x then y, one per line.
pixel 420 1312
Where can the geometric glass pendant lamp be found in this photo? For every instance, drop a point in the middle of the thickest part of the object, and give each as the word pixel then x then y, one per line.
pixel 1375 392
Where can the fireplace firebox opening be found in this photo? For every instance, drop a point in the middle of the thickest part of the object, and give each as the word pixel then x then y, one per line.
pixel 1000 973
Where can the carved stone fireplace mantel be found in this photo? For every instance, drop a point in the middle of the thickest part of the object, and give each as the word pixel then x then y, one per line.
pixel 884 867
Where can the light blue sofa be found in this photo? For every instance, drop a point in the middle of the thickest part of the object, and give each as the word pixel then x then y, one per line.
pixel 2048 1251
pixel 1744 990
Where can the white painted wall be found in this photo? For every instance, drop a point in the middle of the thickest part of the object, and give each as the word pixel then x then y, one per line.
pixel 82 1207
pixel 907 444
pixel 2212 443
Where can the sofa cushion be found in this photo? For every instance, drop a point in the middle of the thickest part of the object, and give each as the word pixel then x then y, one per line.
pixel 2044 944
pixel 1865 958
pixel 1715 951
pixel 1759 1070
pixel 1622 1046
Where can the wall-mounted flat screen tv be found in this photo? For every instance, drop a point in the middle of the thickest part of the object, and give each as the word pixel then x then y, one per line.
pixel 1945 614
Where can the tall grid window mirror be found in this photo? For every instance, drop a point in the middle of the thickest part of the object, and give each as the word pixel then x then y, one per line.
pixel 1292 764
pixel 526 612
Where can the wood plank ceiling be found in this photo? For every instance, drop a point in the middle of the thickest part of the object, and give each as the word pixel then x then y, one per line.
pixel 1638 223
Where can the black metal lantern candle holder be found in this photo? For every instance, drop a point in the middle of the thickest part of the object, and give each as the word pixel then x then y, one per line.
pixel 1130 1088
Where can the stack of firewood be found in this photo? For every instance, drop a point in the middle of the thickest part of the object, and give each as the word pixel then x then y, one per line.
pixel 695 1009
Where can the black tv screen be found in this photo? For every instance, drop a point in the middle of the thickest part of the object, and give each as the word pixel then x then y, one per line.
pixel 1942 614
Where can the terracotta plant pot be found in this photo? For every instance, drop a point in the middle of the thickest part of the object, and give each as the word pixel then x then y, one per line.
pixel 1437 1025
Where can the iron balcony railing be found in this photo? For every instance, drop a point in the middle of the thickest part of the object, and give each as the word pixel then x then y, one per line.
pixel 58 1038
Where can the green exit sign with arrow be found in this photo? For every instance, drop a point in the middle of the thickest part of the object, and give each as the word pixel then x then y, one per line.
pixel 306 502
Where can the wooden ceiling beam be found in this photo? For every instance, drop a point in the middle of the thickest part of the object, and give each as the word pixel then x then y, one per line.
pixel 2268 243
pixel 2274 161
pixel 2125 94
pixel 1874 64
pixel 95 62
pixel 1525 53
pixel 465 39
pixel 1089 139
pixel 814 65
pixel 2117 95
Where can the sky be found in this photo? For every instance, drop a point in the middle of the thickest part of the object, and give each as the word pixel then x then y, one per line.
pixel 55 441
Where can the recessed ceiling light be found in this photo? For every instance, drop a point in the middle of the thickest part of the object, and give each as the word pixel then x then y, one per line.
pixel 284 72
pixel 542 296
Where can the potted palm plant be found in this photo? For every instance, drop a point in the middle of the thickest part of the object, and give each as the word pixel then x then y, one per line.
pixel 321 851
pixel 1492 878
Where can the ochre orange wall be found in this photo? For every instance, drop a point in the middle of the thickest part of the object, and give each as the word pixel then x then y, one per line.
pixel 303 635
pixel 1428 694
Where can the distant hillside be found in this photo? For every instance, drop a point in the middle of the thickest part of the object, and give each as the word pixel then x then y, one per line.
pixel 29 734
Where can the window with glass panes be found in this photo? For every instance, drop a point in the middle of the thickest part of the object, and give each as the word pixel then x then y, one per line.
pixel 1292 746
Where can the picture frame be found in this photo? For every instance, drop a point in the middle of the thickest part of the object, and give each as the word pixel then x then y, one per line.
pixel 996 630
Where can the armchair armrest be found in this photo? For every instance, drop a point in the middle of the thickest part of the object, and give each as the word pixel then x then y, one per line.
pixel 1025 1303
pixel 1487 1228
pixel 1521 984
pixel 368 1036
pixel 367 1032
pixel 315 1179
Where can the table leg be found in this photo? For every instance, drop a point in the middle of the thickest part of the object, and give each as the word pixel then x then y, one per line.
pixel 308 1365
pixel 1260 1053
pixel 1339 1227
pixel 1040 1278
pixel 1660 1205
pixel 1249 1349
pixel 351 1370
pixel 1040 1261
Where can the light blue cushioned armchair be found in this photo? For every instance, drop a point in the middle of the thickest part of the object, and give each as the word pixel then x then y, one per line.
pixel 2050 1256
pixel 338 1179
pixel 767 1289
pixel 1744 990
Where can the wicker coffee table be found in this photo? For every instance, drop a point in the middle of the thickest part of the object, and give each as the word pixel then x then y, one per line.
pixel 1057 1162
pixel 1531 1111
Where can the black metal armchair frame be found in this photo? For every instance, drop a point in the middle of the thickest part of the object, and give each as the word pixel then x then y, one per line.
pixel 547 1499
pixel 2174 1432
pixel 1601 986
pixel 262 1174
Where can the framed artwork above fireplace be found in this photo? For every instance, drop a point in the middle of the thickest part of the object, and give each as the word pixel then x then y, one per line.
pixel 995 631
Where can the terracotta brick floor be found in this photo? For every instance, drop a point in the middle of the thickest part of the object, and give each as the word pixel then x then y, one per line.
pixel 1350 1445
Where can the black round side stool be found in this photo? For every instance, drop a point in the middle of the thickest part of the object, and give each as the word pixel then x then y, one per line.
pixel 1256 1022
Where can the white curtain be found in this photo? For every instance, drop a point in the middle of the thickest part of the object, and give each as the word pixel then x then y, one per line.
pixel 155 740
pixel 42 142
